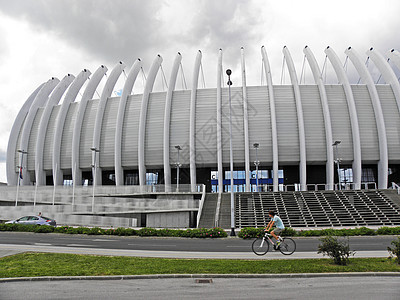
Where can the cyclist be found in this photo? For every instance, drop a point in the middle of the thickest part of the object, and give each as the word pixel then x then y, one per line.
pixel 275 220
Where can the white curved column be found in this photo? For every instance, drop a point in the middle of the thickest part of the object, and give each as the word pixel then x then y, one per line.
pixel 39 101
pixel 300 119
pixel 355 130
pixel 219 124
pixel 167 121
pixel 44 121
pixel 380 123
pixel 12 176
pixel 105 94
pixel 387 73
pixel 275 156
pixel 192 140
pixel 71 95
pixel 143 117
pixel 126 91
pixel 327 117
pixel 245 123
pixel 76 134
pixel 394 56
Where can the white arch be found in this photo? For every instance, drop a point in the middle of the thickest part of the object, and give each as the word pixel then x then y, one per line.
pixel 219 124
pixel 192 140
pixel 245 123
pixel 12 176
pixel 44 121
pixel 327 116
pixel 387 73
pixel 167 121
pixel 394 56
pixel 126 91
pixel 300 119
pixel 143 117
pixel 71 95
pixel 380 123
pixel 275 155
pixel 106 93
pixel 39 101
pixel 355 130
pixel 76 135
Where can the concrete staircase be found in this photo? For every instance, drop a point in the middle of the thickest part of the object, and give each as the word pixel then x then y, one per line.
pixel 207 218
pixel 111 206
pixel 319 208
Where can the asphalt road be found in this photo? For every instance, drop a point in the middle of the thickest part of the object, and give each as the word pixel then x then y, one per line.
pixel 221 288
pixel 228 245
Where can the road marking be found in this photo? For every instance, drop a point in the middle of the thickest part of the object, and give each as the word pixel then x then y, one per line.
pixel 80 245
pixel 237 247
pixel 153 245
pixel 42 244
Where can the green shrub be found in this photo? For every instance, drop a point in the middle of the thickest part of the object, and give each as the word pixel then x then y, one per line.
pixel 250 232
pixel 364 231
pixel 339 251
pixel 65 229
pixel 147 232
pixel 289 232
pixel 44 229
pixel 121 231
pixel 395 251
pixel 96 231
pixel 388 231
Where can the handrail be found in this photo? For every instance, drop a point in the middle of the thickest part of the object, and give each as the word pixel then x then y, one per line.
pixel 217 209
pixel 201 204
pixel 395 186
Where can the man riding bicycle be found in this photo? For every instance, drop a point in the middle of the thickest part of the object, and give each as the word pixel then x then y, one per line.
pixel 275 220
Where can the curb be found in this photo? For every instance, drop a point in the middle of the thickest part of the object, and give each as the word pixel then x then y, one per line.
pixel 175 276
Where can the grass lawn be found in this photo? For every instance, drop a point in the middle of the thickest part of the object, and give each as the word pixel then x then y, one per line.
pixel 51 264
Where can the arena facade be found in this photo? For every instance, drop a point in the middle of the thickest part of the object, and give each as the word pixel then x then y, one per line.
pixel 136 139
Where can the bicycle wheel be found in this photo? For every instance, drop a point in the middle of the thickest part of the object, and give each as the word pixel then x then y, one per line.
pixel 287 246
pixel 260 246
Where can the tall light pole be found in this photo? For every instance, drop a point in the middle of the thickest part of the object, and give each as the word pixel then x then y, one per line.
pixel 20 173
pixel 337 161
pixel 229 72
pixel 94 166
pixel 178 165
pixel 257 163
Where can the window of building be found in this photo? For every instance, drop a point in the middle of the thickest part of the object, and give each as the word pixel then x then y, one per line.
pixel 151 178
pixel 346 175
pixel 131 179
pixel 367 175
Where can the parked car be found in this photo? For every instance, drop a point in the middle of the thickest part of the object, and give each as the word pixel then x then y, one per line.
pixel 33 220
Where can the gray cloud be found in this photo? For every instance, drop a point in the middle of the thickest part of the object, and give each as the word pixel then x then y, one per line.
pixel 123 30
pixel 108 30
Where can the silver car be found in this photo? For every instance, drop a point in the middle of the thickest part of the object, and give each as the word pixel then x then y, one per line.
pixel 33 220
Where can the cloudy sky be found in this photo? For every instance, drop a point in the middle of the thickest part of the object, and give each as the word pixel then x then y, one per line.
pixel 45 38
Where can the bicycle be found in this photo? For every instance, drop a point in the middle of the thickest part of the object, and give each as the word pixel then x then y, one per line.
pixel 260 246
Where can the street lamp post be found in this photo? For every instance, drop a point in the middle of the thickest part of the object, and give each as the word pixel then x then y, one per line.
pixel 229 72
pixel 337 161
pixel 257 163
pixel 178 165
pixel 20 174
pixel 94 166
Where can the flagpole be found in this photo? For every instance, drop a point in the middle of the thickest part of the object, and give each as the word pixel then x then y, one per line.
pixel 34 199
pixel 19 174
pixel 54 183
pixel 73 184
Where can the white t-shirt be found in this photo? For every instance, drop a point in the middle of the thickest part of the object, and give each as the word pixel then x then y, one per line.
pixel 278 222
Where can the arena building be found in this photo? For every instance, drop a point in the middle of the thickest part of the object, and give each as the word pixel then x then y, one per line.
pixel 293 134
pixel 163 159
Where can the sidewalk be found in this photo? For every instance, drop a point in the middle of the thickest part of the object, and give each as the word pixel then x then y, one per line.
pixel 10 249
